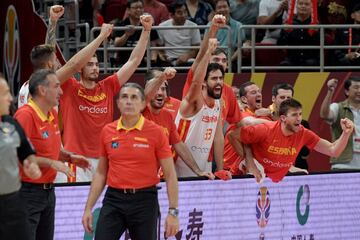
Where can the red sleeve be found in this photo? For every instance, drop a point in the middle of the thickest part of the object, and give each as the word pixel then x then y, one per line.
pixel 112 84
pixel 189 78
pixel 310 138
pixel 67 86
pixel 162 149
pixel 234 114
pixel 253 134
pixel 24 118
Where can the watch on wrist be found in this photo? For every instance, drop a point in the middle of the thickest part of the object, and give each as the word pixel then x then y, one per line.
pixel 173 212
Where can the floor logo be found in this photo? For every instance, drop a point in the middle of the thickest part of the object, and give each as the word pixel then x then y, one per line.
pixel 303 201
pixel 263 207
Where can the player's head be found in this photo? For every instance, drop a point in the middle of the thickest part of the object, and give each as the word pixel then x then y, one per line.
pixel 44 57
pixel 250 95
pixel 214 80
pixel 45 85
pixel 281 92
pixel 158 101
pixel 90 72
pixel 290 113
pixel 131 101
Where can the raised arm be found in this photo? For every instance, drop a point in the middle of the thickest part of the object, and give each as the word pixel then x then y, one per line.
pixel 337 147
pixel 126 71
pixel 194 94
pixel 79 60
pixel 56 12
pixel 97 186
pixel 325 112
pixel 217 22
pixel 153 85
pixel 185 154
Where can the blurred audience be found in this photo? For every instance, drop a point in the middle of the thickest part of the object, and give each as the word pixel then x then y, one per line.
pixel 178 37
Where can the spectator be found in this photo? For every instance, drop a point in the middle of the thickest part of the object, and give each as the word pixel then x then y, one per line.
pixel 334 112
pixel 246 12
pixel 301 37
pixel 130 37
pixel 157 9
pixel 178 37
pixel 350 36
pixel 198 12
pixel 223 7
pixel 272 12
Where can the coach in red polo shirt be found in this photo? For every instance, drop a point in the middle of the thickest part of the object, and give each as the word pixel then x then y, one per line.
pixel 132 150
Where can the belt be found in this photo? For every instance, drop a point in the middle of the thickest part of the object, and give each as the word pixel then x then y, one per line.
pixel 135 190
pixel 45 186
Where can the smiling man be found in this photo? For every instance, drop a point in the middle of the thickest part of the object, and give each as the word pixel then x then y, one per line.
pixel 275 145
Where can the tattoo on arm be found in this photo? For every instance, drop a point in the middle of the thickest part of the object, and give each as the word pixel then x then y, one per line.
pixel 50 34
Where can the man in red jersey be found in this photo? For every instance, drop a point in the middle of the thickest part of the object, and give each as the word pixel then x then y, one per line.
pixel 276 144
pixel 132 149
pixel 156 92
pixel 87 105
pixel 40 123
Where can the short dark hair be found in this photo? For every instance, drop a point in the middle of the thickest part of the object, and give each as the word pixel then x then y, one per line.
pixel 40 55
pixel 348 81
pixel 287 104
pixel 130 2
pixel 285 86
pixel 39 78
pixel 242 91
pixel 213 67
pixel 216 2
pixel 136 86
pixel 175 5
pixel 355 8
pixel 218 51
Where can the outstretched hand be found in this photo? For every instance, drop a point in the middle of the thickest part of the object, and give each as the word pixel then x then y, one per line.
pixel 218 21
pixel 80 161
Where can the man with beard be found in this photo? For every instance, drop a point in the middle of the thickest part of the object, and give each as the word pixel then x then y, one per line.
pixel 86 106
pixel 276 144
pixel 156 94
pixel 333 112
pixel 199 120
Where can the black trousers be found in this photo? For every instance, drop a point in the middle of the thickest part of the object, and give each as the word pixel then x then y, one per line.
pixel 40 204
pixel 137 212
pixel 13 217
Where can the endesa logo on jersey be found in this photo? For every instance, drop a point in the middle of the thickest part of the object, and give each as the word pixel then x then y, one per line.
pixel 209 119
pixel 93 109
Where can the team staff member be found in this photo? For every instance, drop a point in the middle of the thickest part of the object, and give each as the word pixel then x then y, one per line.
pixel 132 149
pixel 14 147
pixel 275 145
pixel 155 93
pixel 40 123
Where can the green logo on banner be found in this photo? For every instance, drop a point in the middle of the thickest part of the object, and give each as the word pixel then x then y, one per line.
pixel 303 197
